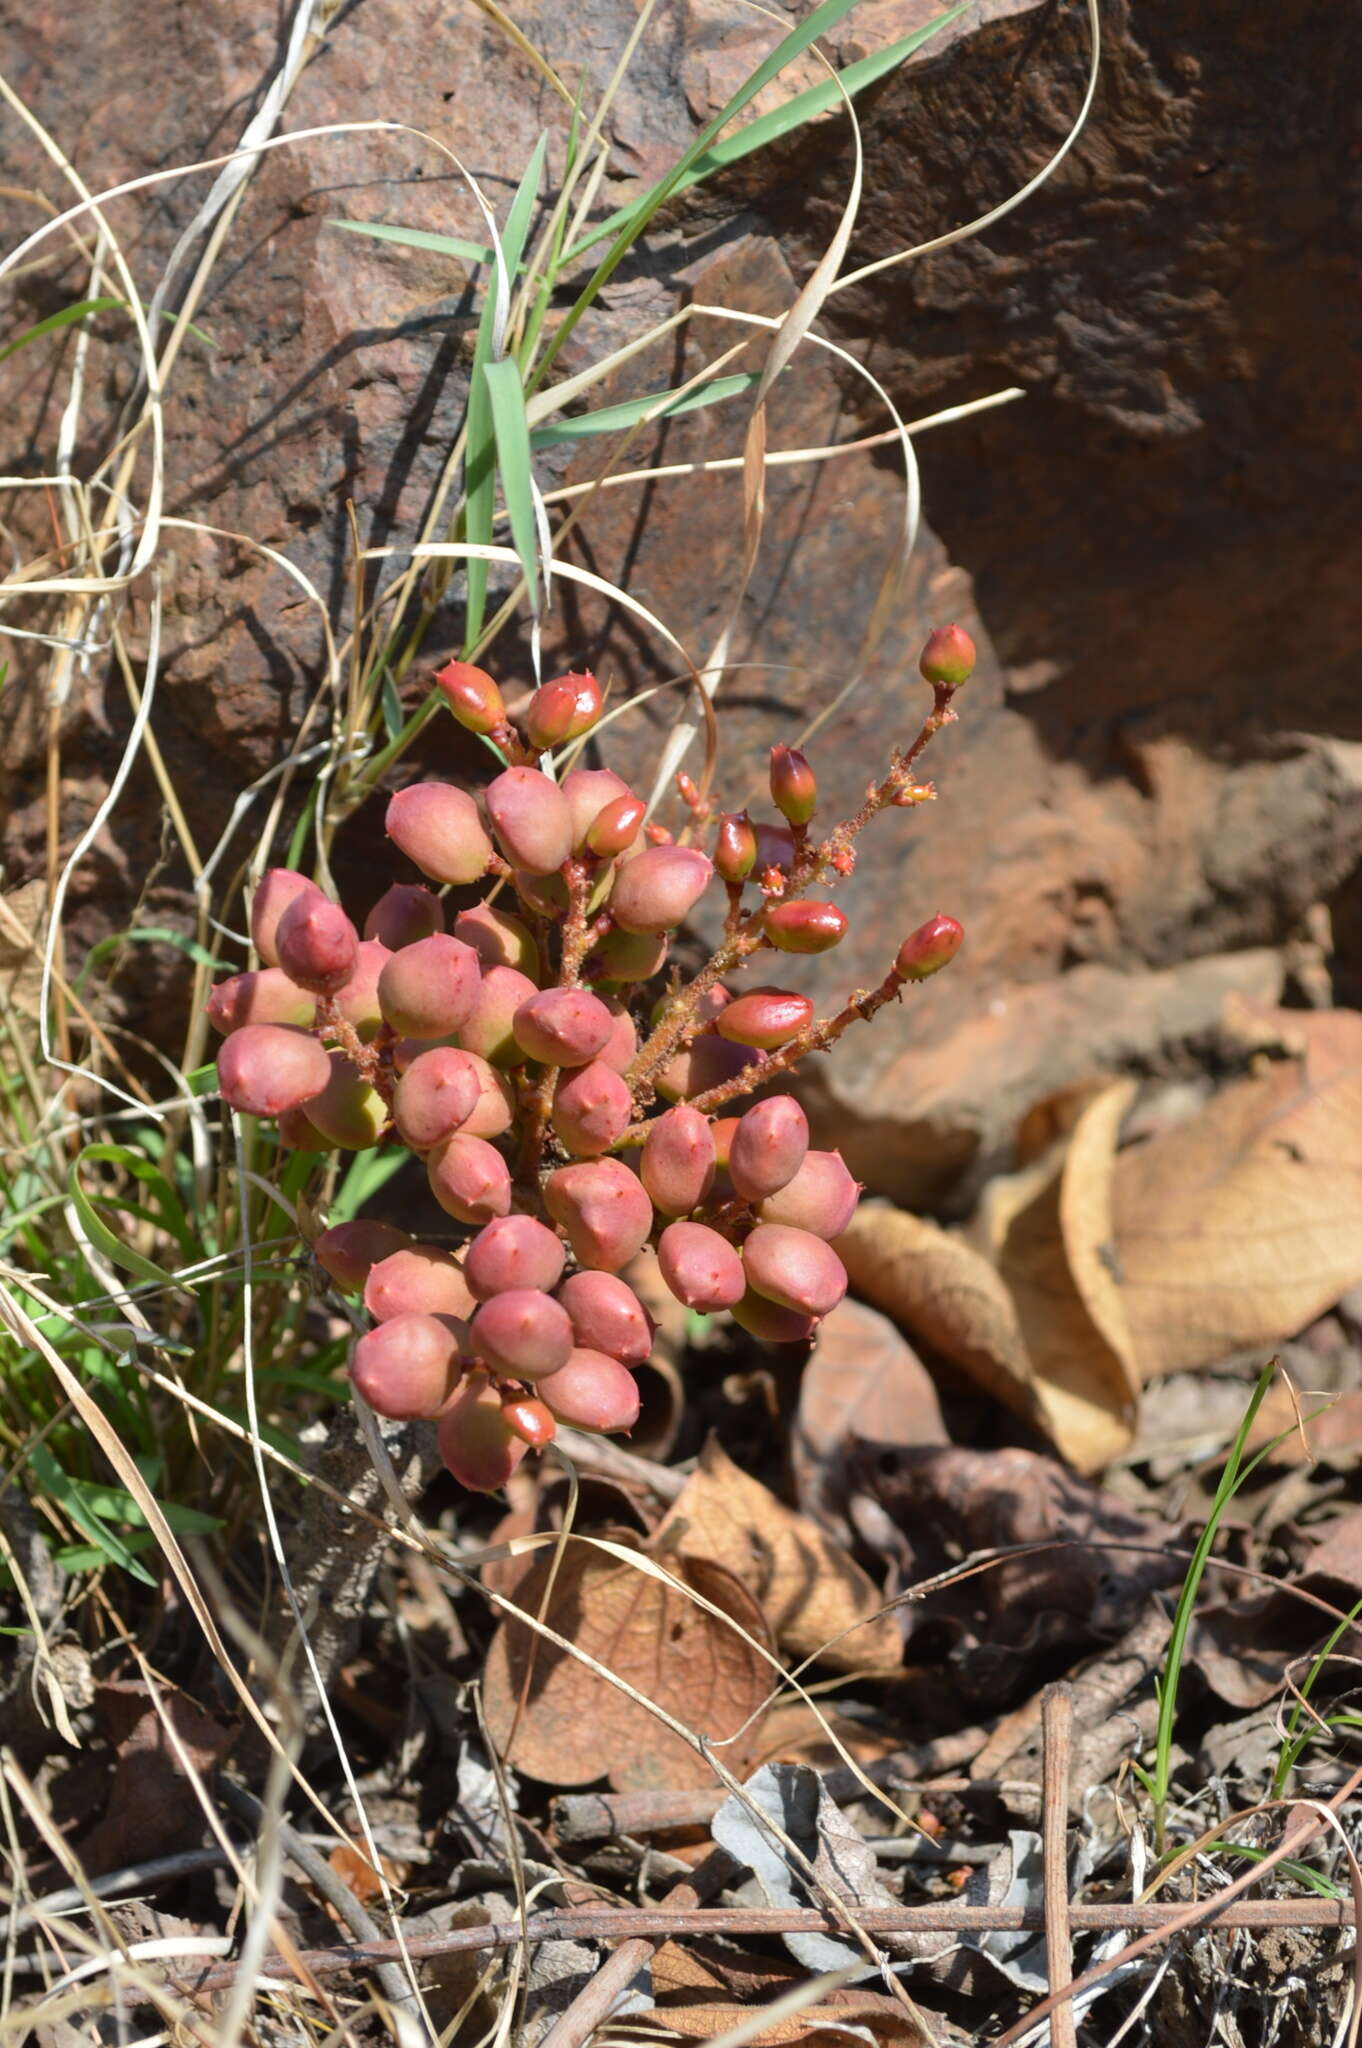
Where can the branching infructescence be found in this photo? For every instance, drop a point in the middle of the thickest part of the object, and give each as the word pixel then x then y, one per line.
pixel 505 1053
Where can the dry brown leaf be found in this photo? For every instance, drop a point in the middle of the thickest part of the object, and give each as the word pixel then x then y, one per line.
pixel 1237 1229
pixel 864 1383
pixel 809 1589
pixel 945 1293
pixel 1056 1258
pixel 703 1990
pixel 577 1727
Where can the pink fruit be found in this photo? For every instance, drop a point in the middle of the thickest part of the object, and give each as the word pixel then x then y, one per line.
pixel 603 1211
pixel 514 1251
pixel 804 927
pixel 469 1179
pixel 438 827
pixel 948 657
pixel 522 1333
pixel 701 1268
pixel 562 710
pixel 348 1251
pixel 592 1391
pixel 357 1002
pixel 608 1316
pixel 409 1367
pixel 274 892
pixel 794 1268
pixel 403 914
pixel 766 1018
pixel 770 1323
pixel 563 1027
pixel 472 696
pixel 498 938
pixel 677 1162
pixel 435 1097
pixel 629 956
pixel 822 1197
pixel 348 1112
pixel 655 892
pixel 616 827
pixel 417 1279
pixel 768 1147
pixel 427 990
pixel 588 791
pixel 706 1063
pixel 531 819
pixel 793 787
pixel 488 1028
pixel 318 946
pixel 495 1108
pixel 528 1419
pixel 475 1438
pixel 592 1107
pixel 622 1044
pixel 265 995
pixel 927 950
pixel 266 1068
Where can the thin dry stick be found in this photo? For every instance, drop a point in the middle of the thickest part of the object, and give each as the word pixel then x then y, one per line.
pixel 1057 1721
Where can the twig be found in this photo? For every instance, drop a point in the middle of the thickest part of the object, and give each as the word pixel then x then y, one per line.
pixel 133 1877
pixel 1057 1721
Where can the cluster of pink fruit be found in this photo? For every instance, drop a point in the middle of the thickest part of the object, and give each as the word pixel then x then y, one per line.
pixel 507 1052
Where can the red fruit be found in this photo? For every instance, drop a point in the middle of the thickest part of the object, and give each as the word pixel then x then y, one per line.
pixel 472 696
pixel 655 891
pixel 403 914
pixel 803 927
pixel 775 846
pixel 348 1251
pixel 562 710
pixel 495 1110
pixel 435 1097
pixel 348 1112
pixel 620 1047
pixel 608 1316
pixel 439 828
pixel 531 819
pixel 927 950
pixel 677 1161
pixel 948 657
pixel 427 990
pixel 592 1391
pixel 617 826
pixel 822 1197
pixel 498 939
pixel 358 1000
pixel 769 1322
pixel 735 854
pixel 768 1147
pixel 563 1027
pixel 602 1210
pixel 707 1063
pixel 522 1333
pixel 274 892
pixel 592 1107
pixel 588 791
pixel 514 1251
pixel 409 1367
pixel 629 956
pixel 701 1268
pixel 469 1179
pixel 318 947
pixel 488 1029
pixel 793 786
pixel 767 1018
pixel 417 1279
pixel 265 995
pixel 794 1268
pixel 529 1419
pixel 264 1069
pixel 476 1440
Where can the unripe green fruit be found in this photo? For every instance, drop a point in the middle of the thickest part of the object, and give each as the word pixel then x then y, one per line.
pixel 608 1316
pixel 348 1112
pixel 803 927
pixel 403 914
pixel 794 1268
pixel 264 995
pixel 766 1018
pixel 948 657
pixel 318 946
pixel 438 827
pixel 531 819
pixel 592 1391
pixel 469 1179
pixel 264 1069
pixel 629 956
pixel 417 1279
pixel 701 1268
pixel 408 1368
pixel 349 1251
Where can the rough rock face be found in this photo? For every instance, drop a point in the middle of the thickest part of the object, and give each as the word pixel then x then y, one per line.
pixel 1156 788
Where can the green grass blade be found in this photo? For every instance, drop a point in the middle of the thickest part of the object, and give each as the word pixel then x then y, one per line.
pixel 366 1174
pixel 54 321
pixel 511 429
pixel 783 121
pixel 608 419
pixel 147 935
pixel 110 1548
pixel 416 238
pixel 105 1240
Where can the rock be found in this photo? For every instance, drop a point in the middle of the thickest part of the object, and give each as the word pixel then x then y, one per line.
pixel 1155 788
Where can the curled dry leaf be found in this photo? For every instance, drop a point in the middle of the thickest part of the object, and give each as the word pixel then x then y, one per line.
pixel 704 1987
pixel 862 1384
pixel 1240 1227
pixel 708 1672
pixel 817 1600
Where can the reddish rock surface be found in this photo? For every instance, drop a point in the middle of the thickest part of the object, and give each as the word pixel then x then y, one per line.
pixel 1157 781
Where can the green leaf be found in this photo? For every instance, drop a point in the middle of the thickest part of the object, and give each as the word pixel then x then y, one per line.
pixel 416 238
pixel 608 419
pixel 54 321
pixel 99 1232
pixel 110 1548
pixel 116 1504
pixel 366 1174
pixel 147 935
pixel 512 432
pixel 781 121
pixel 169 1212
